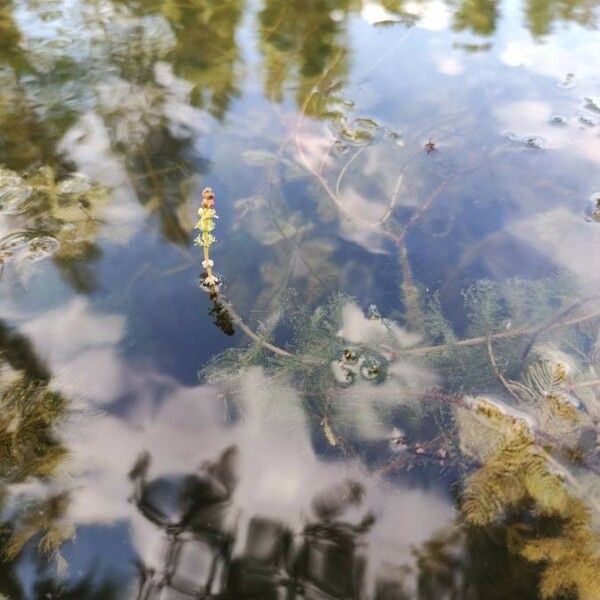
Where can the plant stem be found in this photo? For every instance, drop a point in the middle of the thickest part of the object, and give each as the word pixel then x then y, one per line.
pixel 207 259
pixel 240 323
pixel 481 340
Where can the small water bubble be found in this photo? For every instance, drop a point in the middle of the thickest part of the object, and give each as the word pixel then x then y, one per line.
pixel 396 138
pixel 340 147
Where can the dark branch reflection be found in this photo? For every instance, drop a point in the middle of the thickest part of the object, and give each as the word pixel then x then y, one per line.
pixel 326 559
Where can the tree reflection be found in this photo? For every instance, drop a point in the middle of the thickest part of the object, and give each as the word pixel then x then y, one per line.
pixel 481 16
pixel 541 15
pixel 478 16
pixel 206 53
pixel 302 42
pixel 24 138
pixel 195 512
pixel 327 557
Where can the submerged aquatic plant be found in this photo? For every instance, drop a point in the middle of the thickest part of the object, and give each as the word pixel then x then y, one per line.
pixel 528 448
pixel 426 389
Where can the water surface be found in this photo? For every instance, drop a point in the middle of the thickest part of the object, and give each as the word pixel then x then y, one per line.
pixel 408 213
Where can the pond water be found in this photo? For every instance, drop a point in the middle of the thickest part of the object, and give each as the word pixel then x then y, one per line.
pixel 394 393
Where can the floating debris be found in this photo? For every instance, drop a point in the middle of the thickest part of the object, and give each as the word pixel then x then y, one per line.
pixel 259 158
pixel 534 141
pixel 430 146
pixel 26 245
pixel 359 132
pixel 328 431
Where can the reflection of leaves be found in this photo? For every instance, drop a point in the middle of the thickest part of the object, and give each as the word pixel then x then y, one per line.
pixel 480 16
pixel 541 14
pixel 23 138
pixel 206 52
